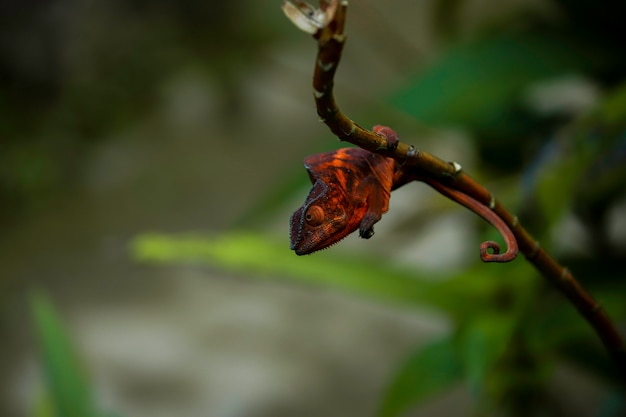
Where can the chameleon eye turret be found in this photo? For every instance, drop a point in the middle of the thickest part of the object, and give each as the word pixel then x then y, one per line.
pixel 314 216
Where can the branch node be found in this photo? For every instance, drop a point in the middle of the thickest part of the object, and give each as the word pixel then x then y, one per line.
pixel 515 222
pixel 412 153
pixel 319 94
pixel 325 67
pixel 339 37
pixel 535 251
pixel 351 131
pixel 597 308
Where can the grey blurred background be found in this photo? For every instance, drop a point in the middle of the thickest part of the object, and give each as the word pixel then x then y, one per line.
pixel 130 116
pixel 125 117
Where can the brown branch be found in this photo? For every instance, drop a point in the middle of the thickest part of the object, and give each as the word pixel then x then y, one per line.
pixel 327 26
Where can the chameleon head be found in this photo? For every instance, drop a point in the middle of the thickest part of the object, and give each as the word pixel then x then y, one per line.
pixel 320 222
pixel 351 188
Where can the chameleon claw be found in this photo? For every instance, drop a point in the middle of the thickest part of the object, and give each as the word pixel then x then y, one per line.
pixel 366 228
pixel 366 233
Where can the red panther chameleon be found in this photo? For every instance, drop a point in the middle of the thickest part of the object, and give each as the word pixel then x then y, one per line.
pixel 351 190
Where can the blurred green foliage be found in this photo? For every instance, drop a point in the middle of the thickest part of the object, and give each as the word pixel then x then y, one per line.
pixel 61 96
pixel 267 257
pixel 67 390
pixel 435 367
pixel 498 338
pixel 510 330
pixel 481 81
pixel 478 85
pixel 72 74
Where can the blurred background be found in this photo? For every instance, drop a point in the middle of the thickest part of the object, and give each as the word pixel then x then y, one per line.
pixel 151 155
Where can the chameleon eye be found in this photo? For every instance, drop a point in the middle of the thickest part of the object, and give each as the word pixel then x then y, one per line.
pixel 314 215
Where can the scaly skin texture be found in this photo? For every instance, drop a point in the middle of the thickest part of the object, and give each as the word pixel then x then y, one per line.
pixel 351 190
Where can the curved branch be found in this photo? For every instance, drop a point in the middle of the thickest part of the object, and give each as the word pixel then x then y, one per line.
pixel 327 26
pixel 491 217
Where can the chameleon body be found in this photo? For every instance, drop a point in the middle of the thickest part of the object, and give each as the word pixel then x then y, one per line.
pixel 351 190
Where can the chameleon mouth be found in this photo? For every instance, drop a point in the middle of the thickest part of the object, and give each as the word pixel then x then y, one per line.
pixel 302 252
pixel 307 241
pixel 310 250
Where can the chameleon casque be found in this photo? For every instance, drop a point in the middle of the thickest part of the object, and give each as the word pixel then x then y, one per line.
pixel 351 190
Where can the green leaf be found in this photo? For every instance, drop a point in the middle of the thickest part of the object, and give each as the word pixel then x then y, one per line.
pixel 600 146
pixel 431 369
pixel 43 406
pixel 263 256
pixel 69 393
pixel 485 340
pixel 612 110
pixel 478 84
pixel 563 332
pixel 588 171
pixel 555 189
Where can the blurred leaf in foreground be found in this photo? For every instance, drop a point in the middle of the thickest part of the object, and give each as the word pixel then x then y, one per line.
pixel 485 341
pixel 479 84
pixel 431 369
pixel 262 256
pixel 68 392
